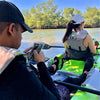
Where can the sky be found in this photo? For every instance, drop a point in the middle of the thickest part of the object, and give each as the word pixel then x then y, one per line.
pixel 77 4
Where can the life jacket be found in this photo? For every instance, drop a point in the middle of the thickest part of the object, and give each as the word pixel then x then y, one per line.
pixel 76 49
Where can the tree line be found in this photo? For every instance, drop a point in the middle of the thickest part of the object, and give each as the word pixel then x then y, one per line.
pixel 47 15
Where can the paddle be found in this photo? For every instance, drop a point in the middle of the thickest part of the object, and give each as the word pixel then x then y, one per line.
pixel 47 46
pixel 78 87
pixel 96 54
pixel 98 48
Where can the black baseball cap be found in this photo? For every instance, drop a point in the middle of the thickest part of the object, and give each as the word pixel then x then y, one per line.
pixel 10 13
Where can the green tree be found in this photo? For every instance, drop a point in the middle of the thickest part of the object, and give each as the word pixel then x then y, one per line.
pixel 47 15
pixel 69 12
pixel 92 16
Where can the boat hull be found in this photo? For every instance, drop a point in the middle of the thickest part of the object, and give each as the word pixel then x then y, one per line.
pixel 75 67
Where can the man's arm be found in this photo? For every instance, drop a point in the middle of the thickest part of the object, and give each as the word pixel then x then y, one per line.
pixel 46 79
pixel 28 84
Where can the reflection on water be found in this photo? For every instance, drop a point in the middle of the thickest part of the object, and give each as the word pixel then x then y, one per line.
pixel 95 33
pixel 52 37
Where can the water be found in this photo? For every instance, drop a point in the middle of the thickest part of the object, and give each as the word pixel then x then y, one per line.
pixel 52 37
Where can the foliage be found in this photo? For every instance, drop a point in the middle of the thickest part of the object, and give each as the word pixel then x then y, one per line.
pixel 47 15
pixel 92 16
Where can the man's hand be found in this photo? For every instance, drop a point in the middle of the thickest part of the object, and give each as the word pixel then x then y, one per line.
pixel 39 57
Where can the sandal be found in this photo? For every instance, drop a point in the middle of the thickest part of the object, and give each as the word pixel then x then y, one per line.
pixel 56 62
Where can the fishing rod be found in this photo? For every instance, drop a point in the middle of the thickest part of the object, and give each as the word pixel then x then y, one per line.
pixel 78 87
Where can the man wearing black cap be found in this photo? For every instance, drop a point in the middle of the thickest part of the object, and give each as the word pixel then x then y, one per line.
pixel 16 82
